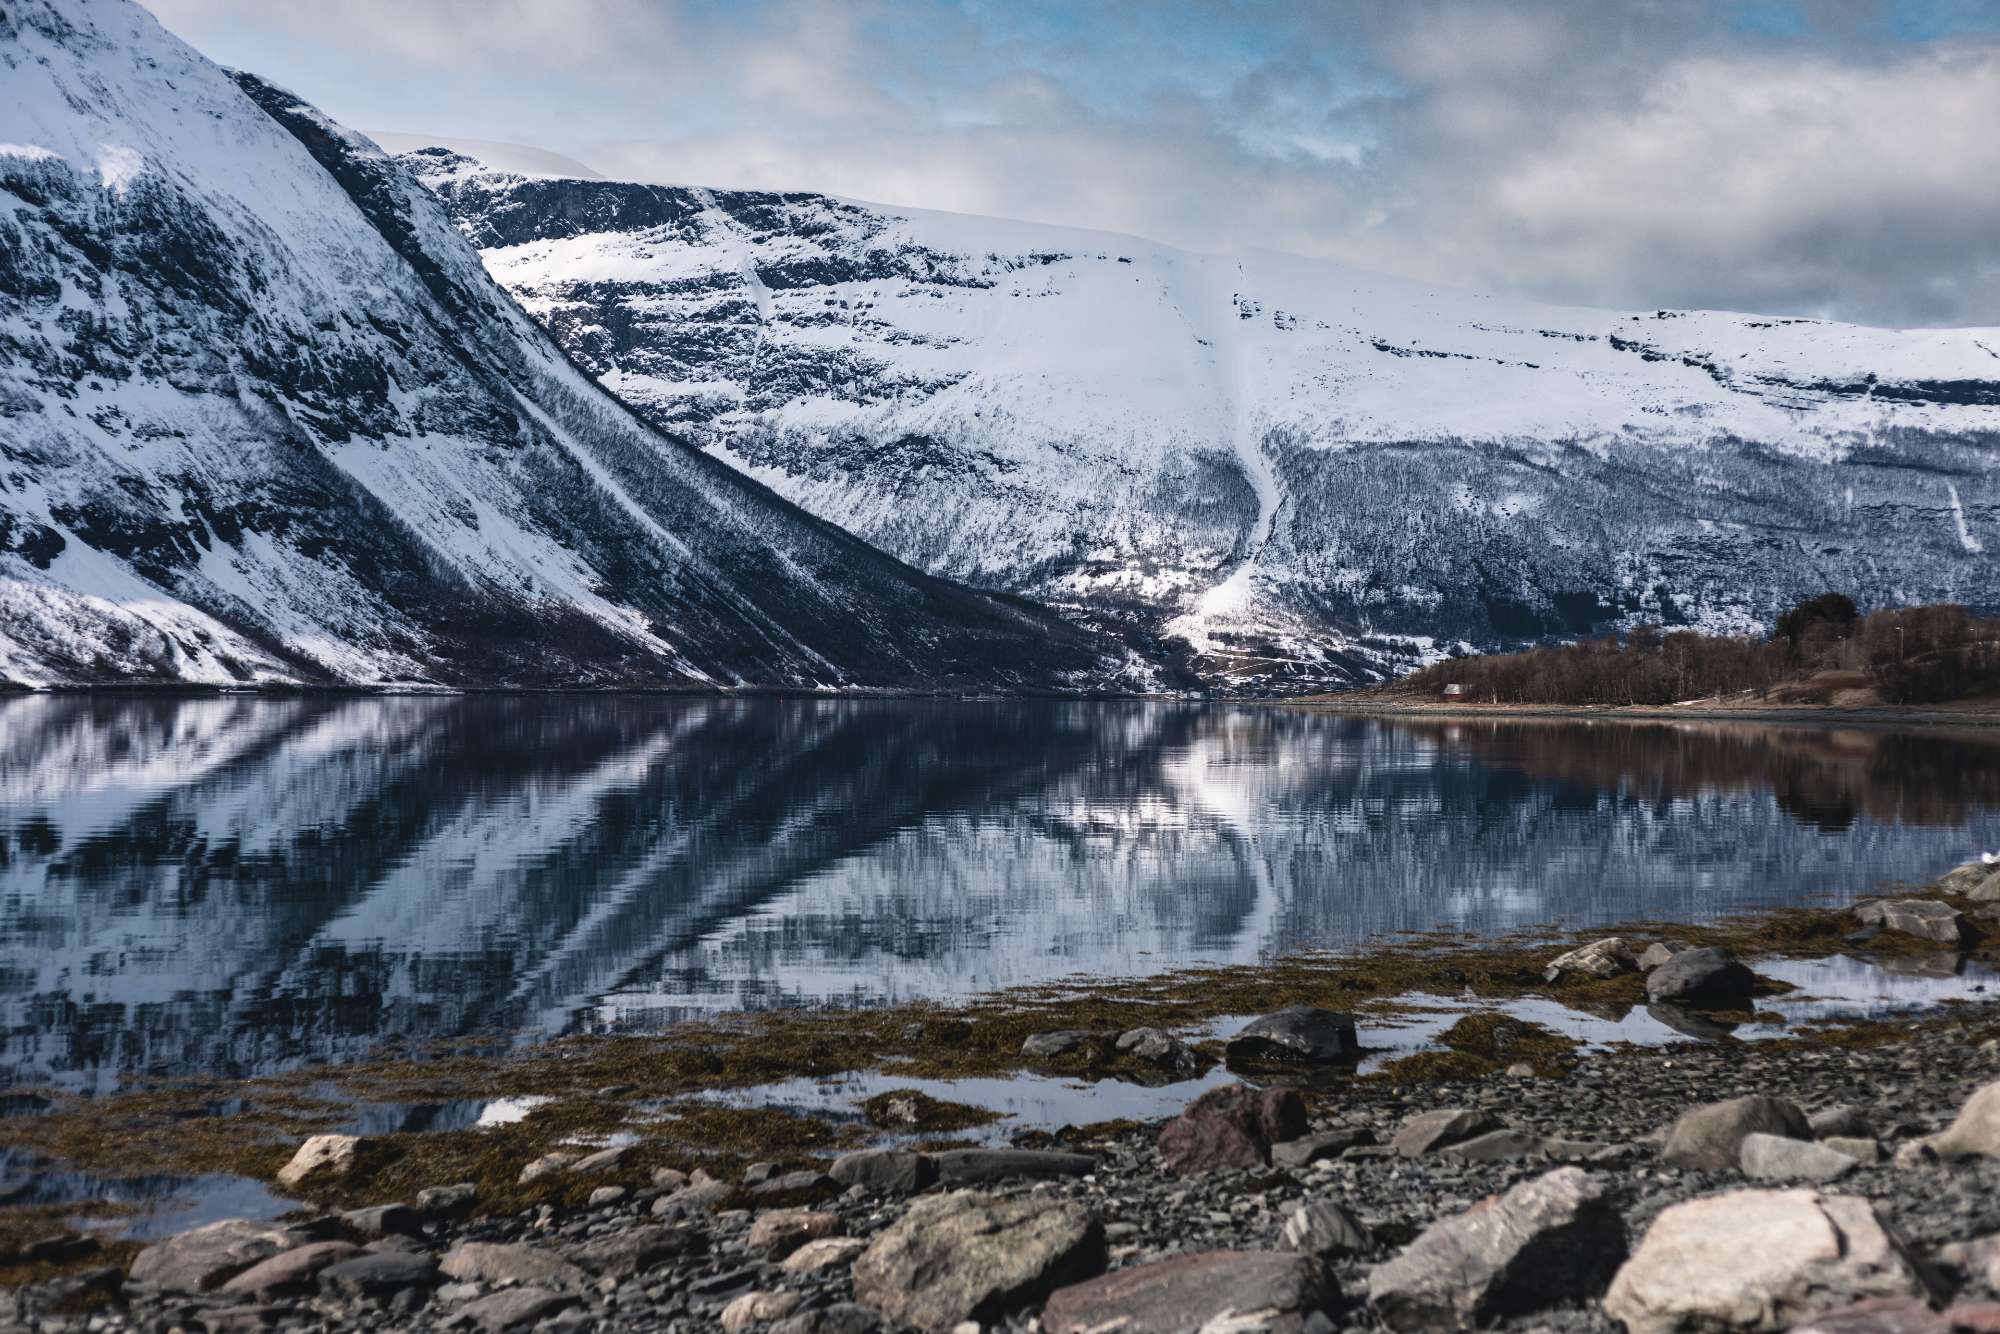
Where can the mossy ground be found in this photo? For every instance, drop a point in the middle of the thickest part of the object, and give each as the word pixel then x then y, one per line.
pixel 649 1089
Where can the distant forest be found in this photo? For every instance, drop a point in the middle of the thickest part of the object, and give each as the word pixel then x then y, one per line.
pixel 1909 655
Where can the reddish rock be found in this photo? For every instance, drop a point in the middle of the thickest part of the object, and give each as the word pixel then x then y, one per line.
pixel 1182 1294
pixel 1232 1127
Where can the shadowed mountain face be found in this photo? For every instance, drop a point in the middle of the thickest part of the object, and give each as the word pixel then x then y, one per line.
pixel 239 884
pixel 1309 473
pixel 265 419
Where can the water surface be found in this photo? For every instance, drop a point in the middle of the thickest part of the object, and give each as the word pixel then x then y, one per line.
pixel 242 884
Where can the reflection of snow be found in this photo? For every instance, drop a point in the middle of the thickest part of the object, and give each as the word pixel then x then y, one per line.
pixel 321 873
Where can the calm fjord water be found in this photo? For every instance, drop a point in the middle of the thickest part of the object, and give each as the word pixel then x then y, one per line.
pixel 241 884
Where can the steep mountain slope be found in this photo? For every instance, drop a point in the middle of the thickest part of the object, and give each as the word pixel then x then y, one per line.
pixel 266 419
pixel 1308 472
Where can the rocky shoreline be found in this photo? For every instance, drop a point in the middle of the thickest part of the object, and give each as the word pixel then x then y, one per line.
pixel 1708 1185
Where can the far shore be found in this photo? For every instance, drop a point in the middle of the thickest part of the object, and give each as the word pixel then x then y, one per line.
pixel 1970 713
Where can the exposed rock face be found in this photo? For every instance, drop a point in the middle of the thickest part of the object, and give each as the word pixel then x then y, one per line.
pixel 1710 1138
pixel 969 1256
pixel 1231 1127
pixel 1108 422
pixel 1302 1034
pixel 1548 1240
pixel 1264 1290
pixel 1758 1259
pixel 272 422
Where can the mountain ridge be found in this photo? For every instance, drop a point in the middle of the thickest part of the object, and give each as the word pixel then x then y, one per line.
pixel 267 421
pixel 1312 475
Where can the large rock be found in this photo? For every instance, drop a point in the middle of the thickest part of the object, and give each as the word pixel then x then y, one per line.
pixel 1703 978
pixel 1324 1229
pixel 1550 1240
pixel 1310 1149
pixel 1265 1290
pixel 327 1155
pixel 1780 1158
pixel 1600 959
pixel 885 1171
pixel 1427 1132
pixel 1231 1127
pixel 826 1253
pixel 1301 1034
pixel 1045 1046
pixel 974 1167
pixel 971 1256
pixel 289 1271
pixel 204 1258
pixel 379 1275
pixel 1926 919
pixel 1758 1259
pixel 781 1231
pixel 1160 1048
pixel 494 1262
pixel 631 1251
pixel 1710 1138
pixel 1659 952
pixel 1976 1131
pixel 1973 875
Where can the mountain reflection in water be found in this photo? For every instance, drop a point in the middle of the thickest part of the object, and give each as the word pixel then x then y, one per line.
pixel 243 884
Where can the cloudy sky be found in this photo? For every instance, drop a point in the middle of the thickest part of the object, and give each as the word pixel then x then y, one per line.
pixel 1819 157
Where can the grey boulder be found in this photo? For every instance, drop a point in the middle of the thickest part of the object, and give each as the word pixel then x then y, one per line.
pixel 1710 1138
pixel 1759 1259
pixel 972 1256
pixel 1780 1158
pixel 884 1171
pixel 1303 1034
pixel 1550 1240
pixel 1324 1229
pixel 1701 978
pixel 1427 1132
pixel 1927 919
pixel 204 1258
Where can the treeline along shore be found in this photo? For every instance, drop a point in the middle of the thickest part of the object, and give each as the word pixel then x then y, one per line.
pixel 1822 652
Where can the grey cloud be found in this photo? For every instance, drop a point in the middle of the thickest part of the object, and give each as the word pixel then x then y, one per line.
pixel 1612 152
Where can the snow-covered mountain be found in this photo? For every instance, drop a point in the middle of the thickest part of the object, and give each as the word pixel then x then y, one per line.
pixel 265 418
pixel 1307 471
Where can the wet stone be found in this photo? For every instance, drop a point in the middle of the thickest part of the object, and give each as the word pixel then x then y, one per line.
pixel 1231 1127
pixel 1701 978
pixel 1302 1034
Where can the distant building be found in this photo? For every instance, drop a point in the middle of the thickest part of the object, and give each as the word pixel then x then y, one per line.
pixel 1456 692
